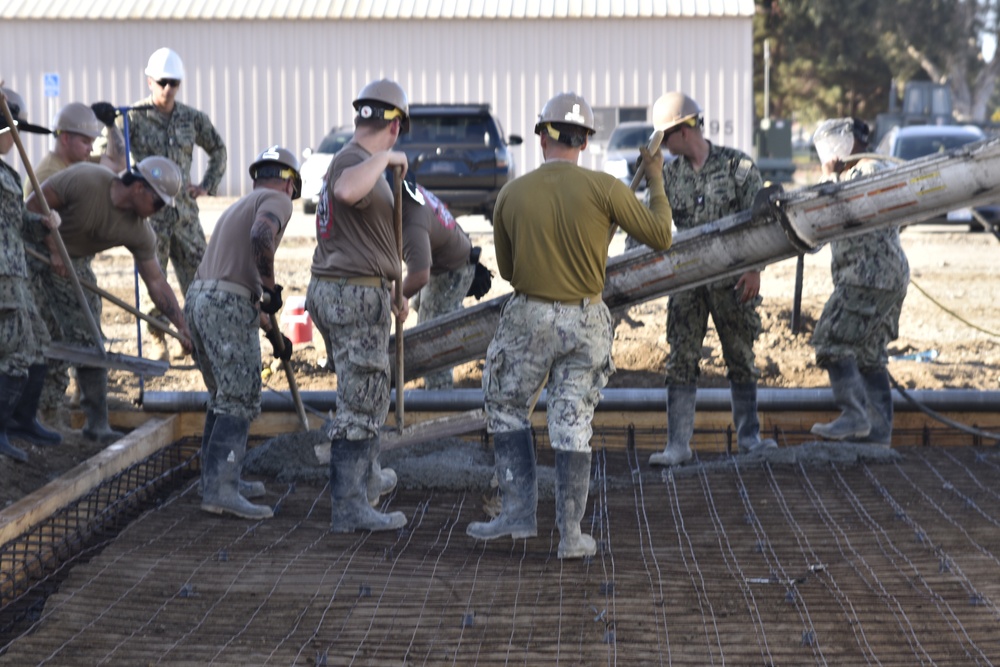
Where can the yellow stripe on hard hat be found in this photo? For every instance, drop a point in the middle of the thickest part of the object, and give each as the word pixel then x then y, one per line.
pixel 552 132
pixel 389 114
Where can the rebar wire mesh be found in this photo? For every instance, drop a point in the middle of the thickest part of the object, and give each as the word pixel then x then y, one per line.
pixel 828 564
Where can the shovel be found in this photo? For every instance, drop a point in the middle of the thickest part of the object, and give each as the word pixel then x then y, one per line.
pixel 397 214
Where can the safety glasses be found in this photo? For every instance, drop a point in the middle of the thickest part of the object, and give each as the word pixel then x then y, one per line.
pixel 173 83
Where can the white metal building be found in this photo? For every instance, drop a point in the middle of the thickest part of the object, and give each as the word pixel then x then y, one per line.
pixel 285 71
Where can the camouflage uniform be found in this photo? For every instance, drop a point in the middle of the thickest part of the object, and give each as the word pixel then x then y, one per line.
pixel 537 340
pixel 22 331
pixel 725 184
pixel 227 349
pixel 179 236
pixel 355 322
pixel 870 276
pixel 444 294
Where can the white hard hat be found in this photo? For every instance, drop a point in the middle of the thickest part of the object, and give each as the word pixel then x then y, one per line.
pixel 78 118
pixel 163 175
pixel 165 64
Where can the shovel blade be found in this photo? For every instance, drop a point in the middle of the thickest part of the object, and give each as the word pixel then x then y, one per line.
pixel 88 356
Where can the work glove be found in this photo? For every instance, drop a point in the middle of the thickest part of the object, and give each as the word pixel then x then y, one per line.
pixel 270 300
pixel 651 165
pixel 105 112
pixel 277 340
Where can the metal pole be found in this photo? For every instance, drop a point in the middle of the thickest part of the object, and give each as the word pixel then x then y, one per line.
pixel 767 79
pixel 397 212
pixel 800 264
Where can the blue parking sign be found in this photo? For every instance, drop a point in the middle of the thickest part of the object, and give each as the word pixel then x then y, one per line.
pixel 50 81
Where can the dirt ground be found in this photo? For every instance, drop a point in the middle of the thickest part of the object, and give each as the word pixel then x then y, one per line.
pixel 958 317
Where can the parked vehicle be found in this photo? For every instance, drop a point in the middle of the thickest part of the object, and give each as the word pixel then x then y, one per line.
pixel 916 141
pixel 623 149
pixel 316 162
pixel 460 153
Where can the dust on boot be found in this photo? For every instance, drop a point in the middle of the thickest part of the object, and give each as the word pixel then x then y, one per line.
pixel 349 472
pixel 247 489
pixel 744 402
pixel 221 464
pixel 24 422
pixel 878 392
pixel 680 426
pixel 10 394
pixel 94 388
pixel 572 488
pixel 517 476
pixel 380 480
pixel 849 395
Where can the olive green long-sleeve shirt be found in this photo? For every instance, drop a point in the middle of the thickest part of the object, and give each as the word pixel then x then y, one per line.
pixel 550 228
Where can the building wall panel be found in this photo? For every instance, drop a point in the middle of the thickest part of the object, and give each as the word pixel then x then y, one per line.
pixel 288 82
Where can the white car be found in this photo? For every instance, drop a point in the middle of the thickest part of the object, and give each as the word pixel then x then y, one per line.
pixel 623 151
pixel 314 166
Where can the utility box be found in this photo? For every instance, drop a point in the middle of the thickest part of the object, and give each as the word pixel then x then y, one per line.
pixel 772 142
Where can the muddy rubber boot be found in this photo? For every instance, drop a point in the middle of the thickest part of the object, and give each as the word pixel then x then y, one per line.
pixel 517 476
pixel 10 394
pixel 349 471
pixel 247 489
pixel 744 402
pixel 222 461
pixel 849 394
pixel 94 388
pixel 23 423
pixel 380 480
pixel 680 426
pixel 572 487
pixel 878 392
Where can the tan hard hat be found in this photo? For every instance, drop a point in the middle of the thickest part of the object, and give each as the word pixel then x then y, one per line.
pixel 17 111
pixel 78 118
pixel 568 108
pixel 165 64
pixel 675 108
pixel 163 175
pixel 284 163
pixel 386 93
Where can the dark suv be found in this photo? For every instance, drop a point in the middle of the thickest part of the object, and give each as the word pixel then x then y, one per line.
pixel 458 151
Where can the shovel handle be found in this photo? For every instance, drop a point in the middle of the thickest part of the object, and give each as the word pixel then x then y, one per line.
pixel 293 386
pixel 95 330
pixel 397 213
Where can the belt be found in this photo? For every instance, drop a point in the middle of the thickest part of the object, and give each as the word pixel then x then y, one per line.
pixel 582 303
pixel 359 281
pixel 222 286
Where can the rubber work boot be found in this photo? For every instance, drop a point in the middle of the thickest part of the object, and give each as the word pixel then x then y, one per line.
pixel 24 421
pixel 572 487
pixel 680 426
pixel 247 489
pixel 10 394
pixel 878 392
pixel 849 394
pixel 517 476
pixel 349 471
pixel 744 402
pixel 94 388
pixel 380 480
pixel 222 461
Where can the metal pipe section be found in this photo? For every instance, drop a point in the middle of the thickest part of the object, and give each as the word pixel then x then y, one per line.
pixel 613 400
pixel 780 227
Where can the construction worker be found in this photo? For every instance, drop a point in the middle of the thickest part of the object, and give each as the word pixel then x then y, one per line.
pixel 551 229
pixel 707 182
pixel 439 260
pixel 173 129
pixel 23 334
pixel 354 268
pixel 224 309
pixel 870 277
pixel 101 210
pixel 76 128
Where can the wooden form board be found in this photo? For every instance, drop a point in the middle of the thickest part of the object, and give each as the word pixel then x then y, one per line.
pixel 140 444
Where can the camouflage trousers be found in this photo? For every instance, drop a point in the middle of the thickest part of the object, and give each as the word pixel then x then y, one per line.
pixel 442 295
pixel 181 242
pixel 23 333
pixel 567 345
pixel 65 320
pixel 224 330
pixel 858 322
pixel 355 322
pixel 737 324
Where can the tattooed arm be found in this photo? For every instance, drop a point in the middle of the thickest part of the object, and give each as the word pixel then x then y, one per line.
pixel 263 243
